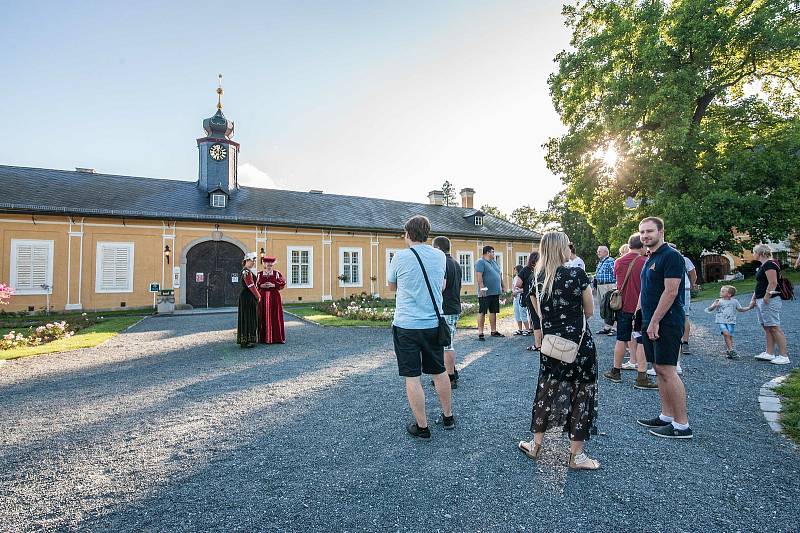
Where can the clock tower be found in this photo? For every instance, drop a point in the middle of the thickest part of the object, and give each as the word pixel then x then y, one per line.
pixel 219 155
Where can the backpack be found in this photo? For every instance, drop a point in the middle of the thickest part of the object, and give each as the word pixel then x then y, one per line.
pixel 785 288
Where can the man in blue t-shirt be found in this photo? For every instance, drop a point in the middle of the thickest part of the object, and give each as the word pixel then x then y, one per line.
pixel 490 285
pixel 661 302
pixel 415 324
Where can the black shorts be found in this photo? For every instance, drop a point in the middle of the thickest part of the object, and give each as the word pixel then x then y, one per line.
pixel 536 322
pixel 666 349
pixel 624 326
pixel 489 304
pixel 418 351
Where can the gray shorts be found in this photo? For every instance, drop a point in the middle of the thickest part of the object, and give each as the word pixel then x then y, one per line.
pixel 452 321
pixel 769 314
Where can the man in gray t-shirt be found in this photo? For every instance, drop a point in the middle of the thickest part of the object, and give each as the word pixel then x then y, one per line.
pixel 490 285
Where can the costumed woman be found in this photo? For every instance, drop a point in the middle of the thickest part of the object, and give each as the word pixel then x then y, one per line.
pixel 270 309
pixel 247 327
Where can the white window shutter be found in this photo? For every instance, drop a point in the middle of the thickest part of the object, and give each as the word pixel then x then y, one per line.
pixel 24 267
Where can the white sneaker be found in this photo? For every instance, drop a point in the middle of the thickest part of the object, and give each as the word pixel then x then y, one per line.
pixel 679 369
pixel 780 360
pixel 651 371
pixel 627 365
pixel 764 356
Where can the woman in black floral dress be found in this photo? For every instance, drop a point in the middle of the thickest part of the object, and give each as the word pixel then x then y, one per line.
pixel 566 395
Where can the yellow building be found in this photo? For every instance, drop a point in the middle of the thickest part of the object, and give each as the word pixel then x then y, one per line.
pixel 84 240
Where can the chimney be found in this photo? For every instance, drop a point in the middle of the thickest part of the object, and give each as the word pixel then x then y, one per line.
pixel 466 197
pixel 436 198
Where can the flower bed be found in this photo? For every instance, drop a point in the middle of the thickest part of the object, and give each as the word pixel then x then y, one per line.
pixel 44 333
pixel 360 307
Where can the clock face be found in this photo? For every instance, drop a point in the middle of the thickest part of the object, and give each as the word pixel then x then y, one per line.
pixel 217 152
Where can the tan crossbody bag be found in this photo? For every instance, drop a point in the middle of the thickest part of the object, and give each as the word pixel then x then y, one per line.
pixel 615 300
pixel 559 348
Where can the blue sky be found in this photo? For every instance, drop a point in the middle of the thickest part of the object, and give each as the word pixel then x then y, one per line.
pixel 384 99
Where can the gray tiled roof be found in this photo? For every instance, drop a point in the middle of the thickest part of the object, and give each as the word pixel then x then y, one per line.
pixel 45 191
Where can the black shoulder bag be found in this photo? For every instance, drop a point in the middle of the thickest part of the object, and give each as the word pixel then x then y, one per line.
pixel 443 330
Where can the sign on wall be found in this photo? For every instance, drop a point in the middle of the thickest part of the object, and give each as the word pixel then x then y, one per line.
pixel 200 277
pixel 155 287
pixel 176 277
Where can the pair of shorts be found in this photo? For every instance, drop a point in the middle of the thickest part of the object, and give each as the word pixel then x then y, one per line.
pixel 418 351
pixel 489 304
pixel 536 322
pixel 727 328
pixel 520 311
pixel 452 321
pixel 769 314
pixel 624 326
pixel 666 348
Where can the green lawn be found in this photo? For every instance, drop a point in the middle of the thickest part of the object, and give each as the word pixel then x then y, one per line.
pixel 471 321
pixel 85 338
pixel 790 416
pixel 711 290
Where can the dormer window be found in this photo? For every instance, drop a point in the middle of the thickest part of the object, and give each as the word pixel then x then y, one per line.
pixel 218 200
pixel 478 220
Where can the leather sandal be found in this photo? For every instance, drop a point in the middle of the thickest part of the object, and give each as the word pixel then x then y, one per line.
pixel 582 461
pixel 532 453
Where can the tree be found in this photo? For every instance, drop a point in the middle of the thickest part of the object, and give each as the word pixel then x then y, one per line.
pixel 690 107
pixel 449 193
pixel 493 211
pixel 559 217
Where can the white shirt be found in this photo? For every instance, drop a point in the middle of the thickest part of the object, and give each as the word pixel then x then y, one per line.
pixel 577 262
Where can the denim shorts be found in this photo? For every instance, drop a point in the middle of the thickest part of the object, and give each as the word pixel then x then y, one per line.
pixel 452 321
pixel 520 311
pixel 727 328
pixel 624 326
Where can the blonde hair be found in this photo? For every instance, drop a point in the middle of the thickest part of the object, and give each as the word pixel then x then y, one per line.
pixel 553 253
pixel 730 289
pixel 762 249
pixel 624 249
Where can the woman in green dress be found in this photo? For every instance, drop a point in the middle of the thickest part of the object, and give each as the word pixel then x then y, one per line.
pixel 247 328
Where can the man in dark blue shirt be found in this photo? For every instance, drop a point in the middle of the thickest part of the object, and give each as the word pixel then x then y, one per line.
pixel 661 301
pixel 451 305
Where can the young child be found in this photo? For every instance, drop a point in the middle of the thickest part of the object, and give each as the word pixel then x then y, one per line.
pixel 726 307
pixel 520 309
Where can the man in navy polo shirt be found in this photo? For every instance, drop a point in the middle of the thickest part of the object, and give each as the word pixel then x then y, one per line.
pixel 661 301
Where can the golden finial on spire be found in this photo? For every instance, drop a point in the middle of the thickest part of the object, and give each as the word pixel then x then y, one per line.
pixel 219 92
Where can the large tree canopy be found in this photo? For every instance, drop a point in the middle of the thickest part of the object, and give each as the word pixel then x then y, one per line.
pixel 683 109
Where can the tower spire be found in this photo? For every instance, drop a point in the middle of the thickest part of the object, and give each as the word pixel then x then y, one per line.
pixel 219 91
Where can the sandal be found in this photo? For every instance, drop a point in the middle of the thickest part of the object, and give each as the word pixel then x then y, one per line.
pixel 519 332
pixel 532 348
pixel 582 461
pixel 524 447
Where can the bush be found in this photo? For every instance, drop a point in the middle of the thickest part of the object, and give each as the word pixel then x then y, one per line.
pixel 41 335
pixel 748 270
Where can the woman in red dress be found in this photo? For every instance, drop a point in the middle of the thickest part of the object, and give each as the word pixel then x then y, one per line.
pixel 270 309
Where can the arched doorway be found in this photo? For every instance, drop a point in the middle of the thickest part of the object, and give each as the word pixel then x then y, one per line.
pixel 714 267
pixel 212 274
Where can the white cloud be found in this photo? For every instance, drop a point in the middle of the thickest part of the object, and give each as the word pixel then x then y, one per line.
pixel 251 176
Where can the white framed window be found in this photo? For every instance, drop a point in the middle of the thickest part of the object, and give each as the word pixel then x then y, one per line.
pixel 218 200
pixel 390 253
pixel 467 265
pixel 350 267
pixel 522 259
pixel 498 257
pixel 31 266
pixel 301 267
pixel 114 267
pixel 478 221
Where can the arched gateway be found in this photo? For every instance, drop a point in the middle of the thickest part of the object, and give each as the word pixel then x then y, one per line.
pixel 212 274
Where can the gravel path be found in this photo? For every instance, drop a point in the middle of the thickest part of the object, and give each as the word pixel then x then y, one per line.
pixel 171 427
